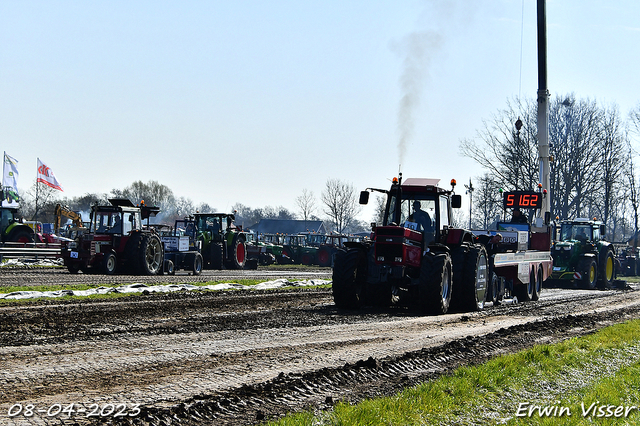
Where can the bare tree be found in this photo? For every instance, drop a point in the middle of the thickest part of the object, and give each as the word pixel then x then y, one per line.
pixel 488 202
pixel 634 120
pixel 509 156
pixel 152 193
pixel 587 144
pixel 307 204
pixel 39 202
pixel 613 147
pixel 341 203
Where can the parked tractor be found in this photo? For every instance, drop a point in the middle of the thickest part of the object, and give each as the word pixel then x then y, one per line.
pixel 223 243
pixel 13 230
pixel 257 253
pixel 274 245
pixel 181 248
pixel 628 261
pixel 582 255
pixel 415 257
pixel 328 245
pixel 295 248
pixel 116 241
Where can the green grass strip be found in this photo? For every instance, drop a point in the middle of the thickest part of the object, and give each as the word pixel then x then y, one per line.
pixel 582 381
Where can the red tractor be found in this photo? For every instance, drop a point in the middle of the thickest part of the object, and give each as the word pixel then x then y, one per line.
pixel 116 241
pixel 416 257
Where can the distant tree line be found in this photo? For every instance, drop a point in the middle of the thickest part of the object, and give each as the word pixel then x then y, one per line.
pixel 592 168
pixel 339 199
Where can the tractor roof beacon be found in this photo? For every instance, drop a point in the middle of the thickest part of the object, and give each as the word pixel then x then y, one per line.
pixel 116 241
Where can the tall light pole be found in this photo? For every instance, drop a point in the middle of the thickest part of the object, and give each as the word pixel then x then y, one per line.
pixel 469 191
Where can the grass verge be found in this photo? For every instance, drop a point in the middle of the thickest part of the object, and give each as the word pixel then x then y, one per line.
pixel 588 380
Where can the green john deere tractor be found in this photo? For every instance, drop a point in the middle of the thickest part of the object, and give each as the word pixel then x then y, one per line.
pixel 582 255
pixel 223 244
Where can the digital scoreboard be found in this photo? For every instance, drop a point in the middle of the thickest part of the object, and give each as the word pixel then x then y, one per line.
pixel 522 200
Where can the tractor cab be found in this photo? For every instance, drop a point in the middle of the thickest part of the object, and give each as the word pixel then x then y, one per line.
pixel 581 231
pixel 416 215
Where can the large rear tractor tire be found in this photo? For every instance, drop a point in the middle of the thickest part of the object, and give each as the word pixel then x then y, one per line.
pixel 21 236
pixel 607 270
pixel 435 284
pixel 324 257
pixel 306 259
pixel 349 278
pixel 476 275
pixel 151 255
pixel 237 253
pixel 470 277
pixel 216 260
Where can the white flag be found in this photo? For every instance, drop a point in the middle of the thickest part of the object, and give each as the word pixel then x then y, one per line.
pixel 46 176
pixel 10 182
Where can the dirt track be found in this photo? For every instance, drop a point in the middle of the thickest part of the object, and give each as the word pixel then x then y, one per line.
pixel 237 358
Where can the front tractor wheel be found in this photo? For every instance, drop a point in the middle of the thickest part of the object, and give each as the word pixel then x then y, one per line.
pixel 589 269
pixel 435 284
pixel 349 277
pixel 109 264
pixel 151 255
pixel 196 267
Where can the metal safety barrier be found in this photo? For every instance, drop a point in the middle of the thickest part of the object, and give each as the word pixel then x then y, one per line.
pixel 42 251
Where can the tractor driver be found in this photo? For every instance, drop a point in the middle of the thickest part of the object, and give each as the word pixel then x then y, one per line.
pixel 421 217
pixel 117 225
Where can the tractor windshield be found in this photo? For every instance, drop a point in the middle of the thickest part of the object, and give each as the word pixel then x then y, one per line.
pixel 573 232
pixel 110 222
pixel 316 239
pixel 415 213
pixel 6 218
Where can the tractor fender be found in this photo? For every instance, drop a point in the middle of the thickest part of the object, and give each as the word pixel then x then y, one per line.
pixel 605 245
pixel 458 237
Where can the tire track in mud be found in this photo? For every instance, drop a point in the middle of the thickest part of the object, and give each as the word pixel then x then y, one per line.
pixel 353 382
pixel 236 358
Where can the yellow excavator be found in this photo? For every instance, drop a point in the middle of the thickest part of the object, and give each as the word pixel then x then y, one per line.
pixel 76 219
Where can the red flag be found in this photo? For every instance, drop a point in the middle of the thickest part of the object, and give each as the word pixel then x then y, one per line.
pixel 46 176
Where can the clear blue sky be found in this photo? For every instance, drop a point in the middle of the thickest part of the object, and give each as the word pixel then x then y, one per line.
pixel 255 101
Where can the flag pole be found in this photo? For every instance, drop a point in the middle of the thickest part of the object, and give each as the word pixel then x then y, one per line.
pixel 35 214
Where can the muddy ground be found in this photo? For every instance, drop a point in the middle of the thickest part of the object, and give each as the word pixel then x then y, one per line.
pixel 239 357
